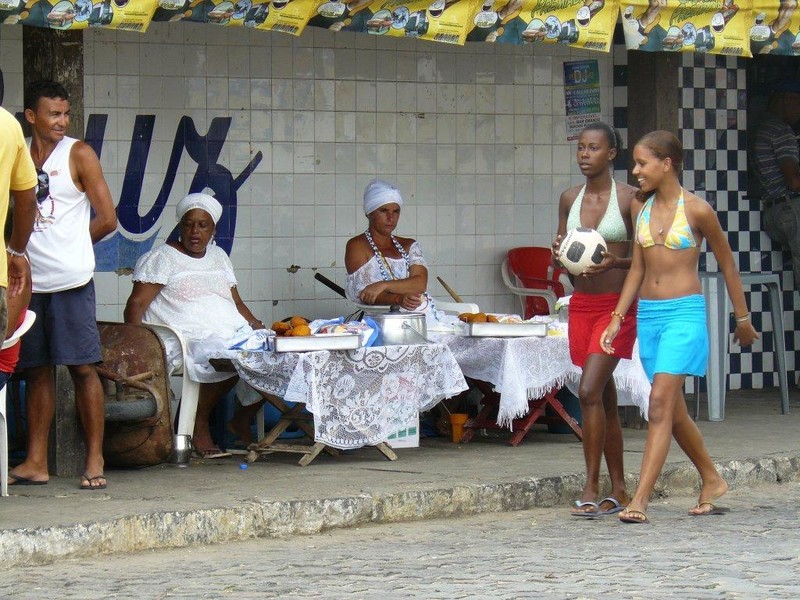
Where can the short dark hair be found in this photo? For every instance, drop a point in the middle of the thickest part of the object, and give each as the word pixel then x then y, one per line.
pixel 44 88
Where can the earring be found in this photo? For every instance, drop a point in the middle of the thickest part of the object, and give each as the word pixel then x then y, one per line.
pixel 180 239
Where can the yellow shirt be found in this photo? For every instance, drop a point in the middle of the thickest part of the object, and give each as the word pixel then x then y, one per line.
pixel 17 172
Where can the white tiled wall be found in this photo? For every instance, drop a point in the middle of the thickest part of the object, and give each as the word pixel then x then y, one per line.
pixel 474 137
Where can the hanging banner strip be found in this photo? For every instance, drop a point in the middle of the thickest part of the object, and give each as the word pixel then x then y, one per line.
pixel 712 26
pixel 130 15
pixel 447 21
pixel 578 23
pixel 775 28
pixel 216 12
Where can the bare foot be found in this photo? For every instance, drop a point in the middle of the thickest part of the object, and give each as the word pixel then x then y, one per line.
pixel 709 494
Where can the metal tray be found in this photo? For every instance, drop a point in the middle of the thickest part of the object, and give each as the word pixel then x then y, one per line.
pixel 505 329
pixel 320 341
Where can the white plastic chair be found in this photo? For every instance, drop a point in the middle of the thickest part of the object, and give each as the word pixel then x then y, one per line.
pixel 514 286
pixel 189 396
pixel 30 317
pixel 190 390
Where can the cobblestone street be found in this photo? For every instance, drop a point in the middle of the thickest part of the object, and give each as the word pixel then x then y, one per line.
pixel 753 552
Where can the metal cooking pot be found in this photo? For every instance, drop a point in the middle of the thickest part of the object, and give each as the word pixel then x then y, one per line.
pixel 400 328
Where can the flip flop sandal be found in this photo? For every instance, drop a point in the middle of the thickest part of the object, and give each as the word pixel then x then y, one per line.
pixel 627 516
pixel 611 511
pixel 89 480
pixel 586 514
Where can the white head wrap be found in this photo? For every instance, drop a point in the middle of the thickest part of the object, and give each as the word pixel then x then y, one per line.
pixel 208 203
pixel 379 192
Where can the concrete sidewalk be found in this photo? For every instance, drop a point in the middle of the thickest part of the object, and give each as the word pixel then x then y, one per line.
pixel 216 501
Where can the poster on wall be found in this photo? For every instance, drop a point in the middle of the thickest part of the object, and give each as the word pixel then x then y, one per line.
pixel 711 26
pixel 581 95
pixel 579 23
pixel 775 28
pixel 129 15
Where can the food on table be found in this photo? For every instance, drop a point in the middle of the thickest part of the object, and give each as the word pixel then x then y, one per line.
pixel 295 321
pixel 478 318
pixel 280 327
pixel 296 327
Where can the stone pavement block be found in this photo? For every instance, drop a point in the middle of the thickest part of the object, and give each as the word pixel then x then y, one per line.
pixel 215 501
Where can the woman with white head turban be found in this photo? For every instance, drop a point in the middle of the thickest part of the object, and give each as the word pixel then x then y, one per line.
pixel 383 268
pixel 189 285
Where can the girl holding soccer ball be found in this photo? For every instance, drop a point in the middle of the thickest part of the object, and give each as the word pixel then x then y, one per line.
pixel 671 224
pixel 604 205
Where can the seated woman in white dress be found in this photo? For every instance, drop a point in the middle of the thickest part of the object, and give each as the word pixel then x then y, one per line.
pixel 189 285
pixel 385 269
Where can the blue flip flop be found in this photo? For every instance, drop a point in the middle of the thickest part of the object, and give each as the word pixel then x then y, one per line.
pixel 611 511
pixel 586 514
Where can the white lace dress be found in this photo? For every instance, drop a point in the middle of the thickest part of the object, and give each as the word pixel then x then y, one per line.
pixel 370 272
pixel 196 300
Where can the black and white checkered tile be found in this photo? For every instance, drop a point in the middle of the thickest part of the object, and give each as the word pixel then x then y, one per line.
pixel 713 125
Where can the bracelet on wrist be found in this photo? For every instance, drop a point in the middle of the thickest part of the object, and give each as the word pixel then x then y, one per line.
pixel 616 314
pixel 13 252
pixel 743 319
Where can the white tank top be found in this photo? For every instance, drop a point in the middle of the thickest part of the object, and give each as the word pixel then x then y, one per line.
pixel 60 248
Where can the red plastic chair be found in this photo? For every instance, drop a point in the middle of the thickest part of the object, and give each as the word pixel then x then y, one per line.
pixel 529 273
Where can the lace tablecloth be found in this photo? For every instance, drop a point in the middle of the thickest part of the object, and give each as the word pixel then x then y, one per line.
pixel 359 397
pixel 526 368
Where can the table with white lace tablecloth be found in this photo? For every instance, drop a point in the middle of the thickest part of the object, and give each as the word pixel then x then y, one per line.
pixel 525 368
pixel 357 397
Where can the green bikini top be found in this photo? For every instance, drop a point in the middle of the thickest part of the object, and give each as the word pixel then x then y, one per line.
pixel 611 227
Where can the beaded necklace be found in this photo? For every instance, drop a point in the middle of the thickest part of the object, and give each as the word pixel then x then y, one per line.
pixel 386 269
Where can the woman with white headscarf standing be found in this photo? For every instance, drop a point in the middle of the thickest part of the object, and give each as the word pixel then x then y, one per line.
pixel 189 285
pixel 383 268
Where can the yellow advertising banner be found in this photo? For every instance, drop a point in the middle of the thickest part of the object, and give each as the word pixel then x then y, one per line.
pixel 579 23
pixel 447 21
pixel 775 28
pixel 285 16
pixel 712 26
pixel 218 12
pixel 130 15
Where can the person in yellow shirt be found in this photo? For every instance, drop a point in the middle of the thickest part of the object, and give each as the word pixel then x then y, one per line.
pixel 17 178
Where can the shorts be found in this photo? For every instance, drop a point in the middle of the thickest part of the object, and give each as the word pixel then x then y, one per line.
pixel 65 331
pixel 673 336
pixel 589 315
pixel 4 377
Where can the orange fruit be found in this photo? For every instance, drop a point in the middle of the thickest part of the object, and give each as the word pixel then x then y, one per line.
pixel 295 321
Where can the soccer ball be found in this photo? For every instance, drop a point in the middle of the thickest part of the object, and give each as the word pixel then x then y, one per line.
pixel 580 249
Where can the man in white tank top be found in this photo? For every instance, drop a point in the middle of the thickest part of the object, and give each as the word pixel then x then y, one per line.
pixel 70 186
